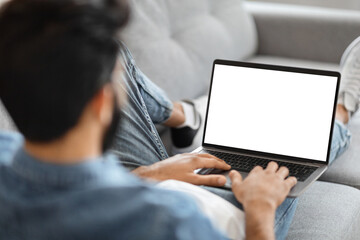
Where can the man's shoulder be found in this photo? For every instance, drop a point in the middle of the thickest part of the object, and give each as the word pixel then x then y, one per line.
pixel 9 143
pixel 114 199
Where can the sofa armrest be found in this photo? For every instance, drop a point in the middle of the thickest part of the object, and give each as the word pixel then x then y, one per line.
pixel 311 33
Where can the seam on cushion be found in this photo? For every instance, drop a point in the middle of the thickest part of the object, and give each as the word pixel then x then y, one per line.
pixel 150 20
pixel 225 28
pixel 217 20
pixel 193 21
pixel 187 52
pixel 170 29
pixel 247 17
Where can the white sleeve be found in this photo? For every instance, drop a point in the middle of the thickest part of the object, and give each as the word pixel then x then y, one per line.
pixel 224 215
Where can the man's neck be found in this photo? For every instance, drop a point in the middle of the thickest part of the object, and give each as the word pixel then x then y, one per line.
pixel 74 147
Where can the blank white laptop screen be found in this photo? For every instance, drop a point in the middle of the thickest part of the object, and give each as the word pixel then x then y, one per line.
pixel 271 111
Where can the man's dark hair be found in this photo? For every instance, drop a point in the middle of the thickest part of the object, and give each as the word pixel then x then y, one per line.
pixel 55 55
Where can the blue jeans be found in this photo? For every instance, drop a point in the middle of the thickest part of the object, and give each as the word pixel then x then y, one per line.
pixel 138 142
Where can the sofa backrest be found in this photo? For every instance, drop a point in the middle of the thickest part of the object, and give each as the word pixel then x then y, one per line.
pixel 174 42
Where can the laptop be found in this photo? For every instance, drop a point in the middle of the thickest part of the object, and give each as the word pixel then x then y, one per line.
pixel 258 113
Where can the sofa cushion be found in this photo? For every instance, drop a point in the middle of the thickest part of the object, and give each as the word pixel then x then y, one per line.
pixel 295 31
pixel 175 42
pixel 327 211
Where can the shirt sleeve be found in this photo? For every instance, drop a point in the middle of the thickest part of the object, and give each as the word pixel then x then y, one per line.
pixel 10 142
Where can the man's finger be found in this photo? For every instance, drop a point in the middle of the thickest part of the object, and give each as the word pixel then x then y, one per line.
pixel 210 180
pixel 283 172
pixel 272 167
pixel 206 155
pixel 256 169
pixel 291 182
pixel 202 162
pixel 235 177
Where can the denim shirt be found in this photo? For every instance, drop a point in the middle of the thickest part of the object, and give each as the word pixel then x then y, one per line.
pixel 95 199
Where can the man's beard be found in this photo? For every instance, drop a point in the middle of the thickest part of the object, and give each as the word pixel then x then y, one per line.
pixel 110 133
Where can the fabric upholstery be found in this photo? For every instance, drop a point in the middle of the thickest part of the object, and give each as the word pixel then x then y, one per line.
pixel 312 33
pixel 175 42
pixel 327 211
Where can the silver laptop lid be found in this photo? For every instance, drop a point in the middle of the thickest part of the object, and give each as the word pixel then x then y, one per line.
pixel 271 110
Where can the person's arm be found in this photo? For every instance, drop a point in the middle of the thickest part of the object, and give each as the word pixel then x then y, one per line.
pixel 181 167
pixel 259 222
pixel 260 194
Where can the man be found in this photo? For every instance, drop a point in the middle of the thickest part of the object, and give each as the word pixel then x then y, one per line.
pixel 67 111
pixel 56 65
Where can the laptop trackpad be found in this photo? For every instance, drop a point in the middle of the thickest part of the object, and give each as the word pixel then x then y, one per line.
pixel 226 174
pixel 228 180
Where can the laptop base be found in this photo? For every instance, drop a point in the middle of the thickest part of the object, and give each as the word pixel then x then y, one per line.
pixel 296 191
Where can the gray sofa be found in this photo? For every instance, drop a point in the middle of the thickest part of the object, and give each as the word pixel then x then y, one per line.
pixel 175 42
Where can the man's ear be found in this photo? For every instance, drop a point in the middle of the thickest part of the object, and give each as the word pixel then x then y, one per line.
pixel 102 105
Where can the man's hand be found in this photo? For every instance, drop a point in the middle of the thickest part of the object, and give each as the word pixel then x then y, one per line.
pixel 268 187
pixel 181 167
pixel 261 193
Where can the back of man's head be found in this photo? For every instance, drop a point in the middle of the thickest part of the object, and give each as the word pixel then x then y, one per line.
pixel 55 55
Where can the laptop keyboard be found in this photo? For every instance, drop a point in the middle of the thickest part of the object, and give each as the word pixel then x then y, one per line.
pixel 247 163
